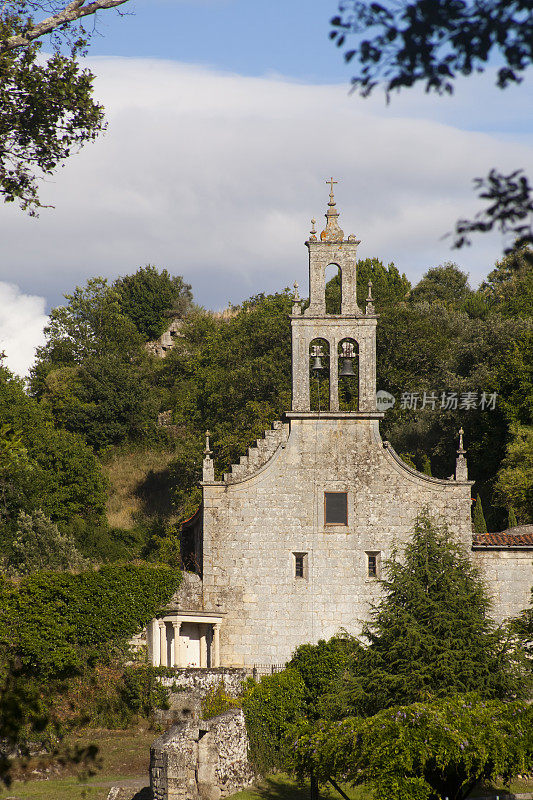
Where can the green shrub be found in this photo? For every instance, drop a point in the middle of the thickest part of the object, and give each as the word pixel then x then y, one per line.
pixel 320 664
pixel 272 708
pixel 217 700
pixel 66 622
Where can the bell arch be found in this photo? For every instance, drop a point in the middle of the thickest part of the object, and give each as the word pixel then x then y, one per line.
pixel 348 374
pixel 319 374
pixel 333 288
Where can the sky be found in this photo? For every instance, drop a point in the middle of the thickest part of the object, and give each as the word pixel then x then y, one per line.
pixel 225 118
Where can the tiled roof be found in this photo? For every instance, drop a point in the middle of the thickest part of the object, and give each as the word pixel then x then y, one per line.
pixel 514 537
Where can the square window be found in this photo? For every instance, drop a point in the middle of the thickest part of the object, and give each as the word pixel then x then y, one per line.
pixel 336 508
pixel 300 565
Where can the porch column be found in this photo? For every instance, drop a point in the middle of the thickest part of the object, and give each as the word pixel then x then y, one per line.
pixel 203 644
pixel 177 649
pixel 216 645
pixel 163 643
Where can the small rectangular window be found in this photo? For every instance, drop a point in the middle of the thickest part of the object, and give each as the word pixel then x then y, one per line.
pixel 372 564
pixel 300 565
pixel 336 508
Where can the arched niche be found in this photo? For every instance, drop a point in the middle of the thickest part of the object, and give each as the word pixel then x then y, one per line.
pixel 348 361
pixel 333 288
pixel 319 378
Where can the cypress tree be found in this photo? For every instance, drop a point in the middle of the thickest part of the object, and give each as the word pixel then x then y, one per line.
pixel 512 518
pixel 430 635
pixel 480 526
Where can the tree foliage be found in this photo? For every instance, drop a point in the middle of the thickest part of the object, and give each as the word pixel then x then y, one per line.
pixel 46 468
pixel 69 621
pixel 150 298
pixel 272 710
pixel 433 41
pixel 93 371
pixel 425 751
pixel 38 544
pixel 47 110
pixel 430 634
pixel 509 210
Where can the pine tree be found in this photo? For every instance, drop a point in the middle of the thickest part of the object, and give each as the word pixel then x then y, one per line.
pixel 430 635
pixel 512 518
pixel 480 526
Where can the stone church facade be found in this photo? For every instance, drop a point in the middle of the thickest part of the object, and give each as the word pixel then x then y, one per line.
pixel 288 547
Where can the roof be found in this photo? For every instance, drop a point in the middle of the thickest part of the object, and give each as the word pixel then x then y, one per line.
pixel 521 536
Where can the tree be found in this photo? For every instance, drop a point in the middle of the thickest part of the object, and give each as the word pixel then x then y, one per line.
pixel 39 545
pixel 149 298
pixel 47 109
pixel 432 42
pixel 45 468
pixel 445 284
pixel 64 15
pixel 478 519
pixel 425 751
pixel 430 635
pixel 93 373
pixel 510 209
pixel 514 482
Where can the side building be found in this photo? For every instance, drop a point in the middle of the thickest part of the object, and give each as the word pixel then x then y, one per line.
pixel 288 547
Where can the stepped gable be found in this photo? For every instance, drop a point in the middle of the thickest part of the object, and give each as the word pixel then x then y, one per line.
pixel 259 454
pixel 521 536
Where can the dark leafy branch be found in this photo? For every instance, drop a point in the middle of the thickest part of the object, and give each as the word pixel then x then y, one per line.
pixel 399 43
pixel 509 210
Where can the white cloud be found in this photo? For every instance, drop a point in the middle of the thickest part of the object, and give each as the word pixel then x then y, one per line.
pixel 22 319
pixel 216 176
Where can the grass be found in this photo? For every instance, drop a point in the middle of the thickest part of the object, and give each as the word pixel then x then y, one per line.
pixel 281 787
pixel 124 756
pixel 135 475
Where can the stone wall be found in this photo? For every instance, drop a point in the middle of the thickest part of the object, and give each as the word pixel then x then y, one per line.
pixel 508 574
pixel 201 759
pixel 254 525
pixel 200 681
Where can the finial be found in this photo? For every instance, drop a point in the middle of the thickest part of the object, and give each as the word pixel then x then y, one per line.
pixel 208 472
pixel 296 296
pixel 461 468
pixel 332 232
pixel 370 300
pixel 312 237
pixel 461 450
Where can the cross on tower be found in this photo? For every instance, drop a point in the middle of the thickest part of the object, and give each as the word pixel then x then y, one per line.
pixel 331 182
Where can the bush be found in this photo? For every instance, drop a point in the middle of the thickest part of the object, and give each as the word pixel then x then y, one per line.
pixel 217 700
pixel 320 664
pixel 38 544
pixel 272 709
pixel 66 622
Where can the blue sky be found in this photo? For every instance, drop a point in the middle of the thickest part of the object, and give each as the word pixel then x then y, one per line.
pixel 225 118
pixel 250 37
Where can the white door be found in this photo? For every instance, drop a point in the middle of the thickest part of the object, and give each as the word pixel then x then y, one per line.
pixel 190 642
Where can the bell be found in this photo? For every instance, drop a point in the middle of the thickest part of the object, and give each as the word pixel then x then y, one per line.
pixel 347 368
pixel 317 364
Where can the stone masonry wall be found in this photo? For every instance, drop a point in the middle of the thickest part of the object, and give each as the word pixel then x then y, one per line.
pixel 254 525
pixel 200 681
pixel 508 575
pixel 201 760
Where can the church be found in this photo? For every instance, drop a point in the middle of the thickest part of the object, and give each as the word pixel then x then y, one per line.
pixel 288 548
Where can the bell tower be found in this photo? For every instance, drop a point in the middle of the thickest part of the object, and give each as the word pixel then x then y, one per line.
pixel 328 346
